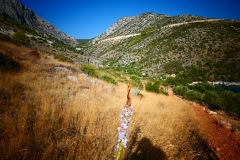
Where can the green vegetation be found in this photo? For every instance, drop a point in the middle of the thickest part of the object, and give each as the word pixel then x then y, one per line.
pixel 20 38
pixel 17 26
pixel 206 51
pixel 8 64
pixel 155 88
pixel 173 67
pixel 98 73
pixel 136 40
pixel 143 35
pixel 83 42
pixel 90 70
pixel 214 97
pixel 192 95
pixel 108 79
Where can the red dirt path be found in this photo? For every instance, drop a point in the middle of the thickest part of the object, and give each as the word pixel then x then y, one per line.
pixel 221 139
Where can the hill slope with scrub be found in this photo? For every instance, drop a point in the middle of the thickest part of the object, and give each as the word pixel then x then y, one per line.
pixel 54 105
pixel 45 114
pixel 194 48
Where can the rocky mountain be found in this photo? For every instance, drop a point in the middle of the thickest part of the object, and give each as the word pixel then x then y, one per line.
pixel 136 24
pixel 192 47
pixel 20 13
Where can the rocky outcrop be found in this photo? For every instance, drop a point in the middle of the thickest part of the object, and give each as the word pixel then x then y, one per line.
pixel 20 13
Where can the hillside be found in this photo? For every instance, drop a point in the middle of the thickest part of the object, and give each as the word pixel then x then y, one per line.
pixel 52 110
pixel 20 34
pixel 23 15
pixel 194 48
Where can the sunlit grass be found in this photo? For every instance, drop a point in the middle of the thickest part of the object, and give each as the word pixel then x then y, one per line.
pixel 46 116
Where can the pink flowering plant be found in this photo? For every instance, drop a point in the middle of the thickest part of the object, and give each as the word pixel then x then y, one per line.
pixel 125 118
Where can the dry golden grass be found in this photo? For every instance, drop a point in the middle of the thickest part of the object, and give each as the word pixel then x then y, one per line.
pixel 46 116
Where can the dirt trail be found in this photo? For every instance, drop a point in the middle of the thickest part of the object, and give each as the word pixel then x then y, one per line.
pixel 179 24
pixel 167 26
pixel 221 139
pixel 220 131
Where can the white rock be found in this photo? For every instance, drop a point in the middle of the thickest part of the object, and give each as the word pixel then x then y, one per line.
pixel 50 42
pixel 212 113
pixel 85 75
pixel 78 49
pixel 72 78
pixel 61 69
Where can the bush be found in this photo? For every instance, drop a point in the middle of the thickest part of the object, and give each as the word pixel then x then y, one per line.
pixel 90 70
pixel 20 38
pixel 215 98
pixel 185 92
pixel 109 79
pixel 194 96
pixel 180 90
pixel 212 99
pixel 230 102
pixel 152 87
pixel 155 87
pixel 163 92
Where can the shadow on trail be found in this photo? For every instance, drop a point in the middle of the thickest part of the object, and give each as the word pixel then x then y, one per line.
pixel 147 151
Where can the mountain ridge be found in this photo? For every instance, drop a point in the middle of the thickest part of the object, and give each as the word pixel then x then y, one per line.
pixel 24 15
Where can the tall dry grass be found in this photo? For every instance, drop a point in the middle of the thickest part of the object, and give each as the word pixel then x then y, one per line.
pixel 46 116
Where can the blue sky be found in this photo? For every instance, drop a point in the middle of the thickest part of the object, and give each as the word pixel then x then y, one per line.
pixel 84 19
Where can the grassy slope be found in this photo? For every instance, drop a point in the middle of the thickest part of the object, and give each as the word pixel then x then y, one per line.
pixel 45 116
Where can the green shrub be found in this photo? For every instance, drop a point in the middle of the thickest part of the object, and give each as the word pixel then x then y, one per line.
pixel 90 70
pixel 212 99
pixel 20 38
pixel 185 92
pixel 135 41
pixel 180 90
pixel 155 88
pixel 215 98
pixel 163 92
pixel 230 102
pixel 199 87
pixel 109 79
pixel 194 96
pixel 152 87
pixel 133 77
